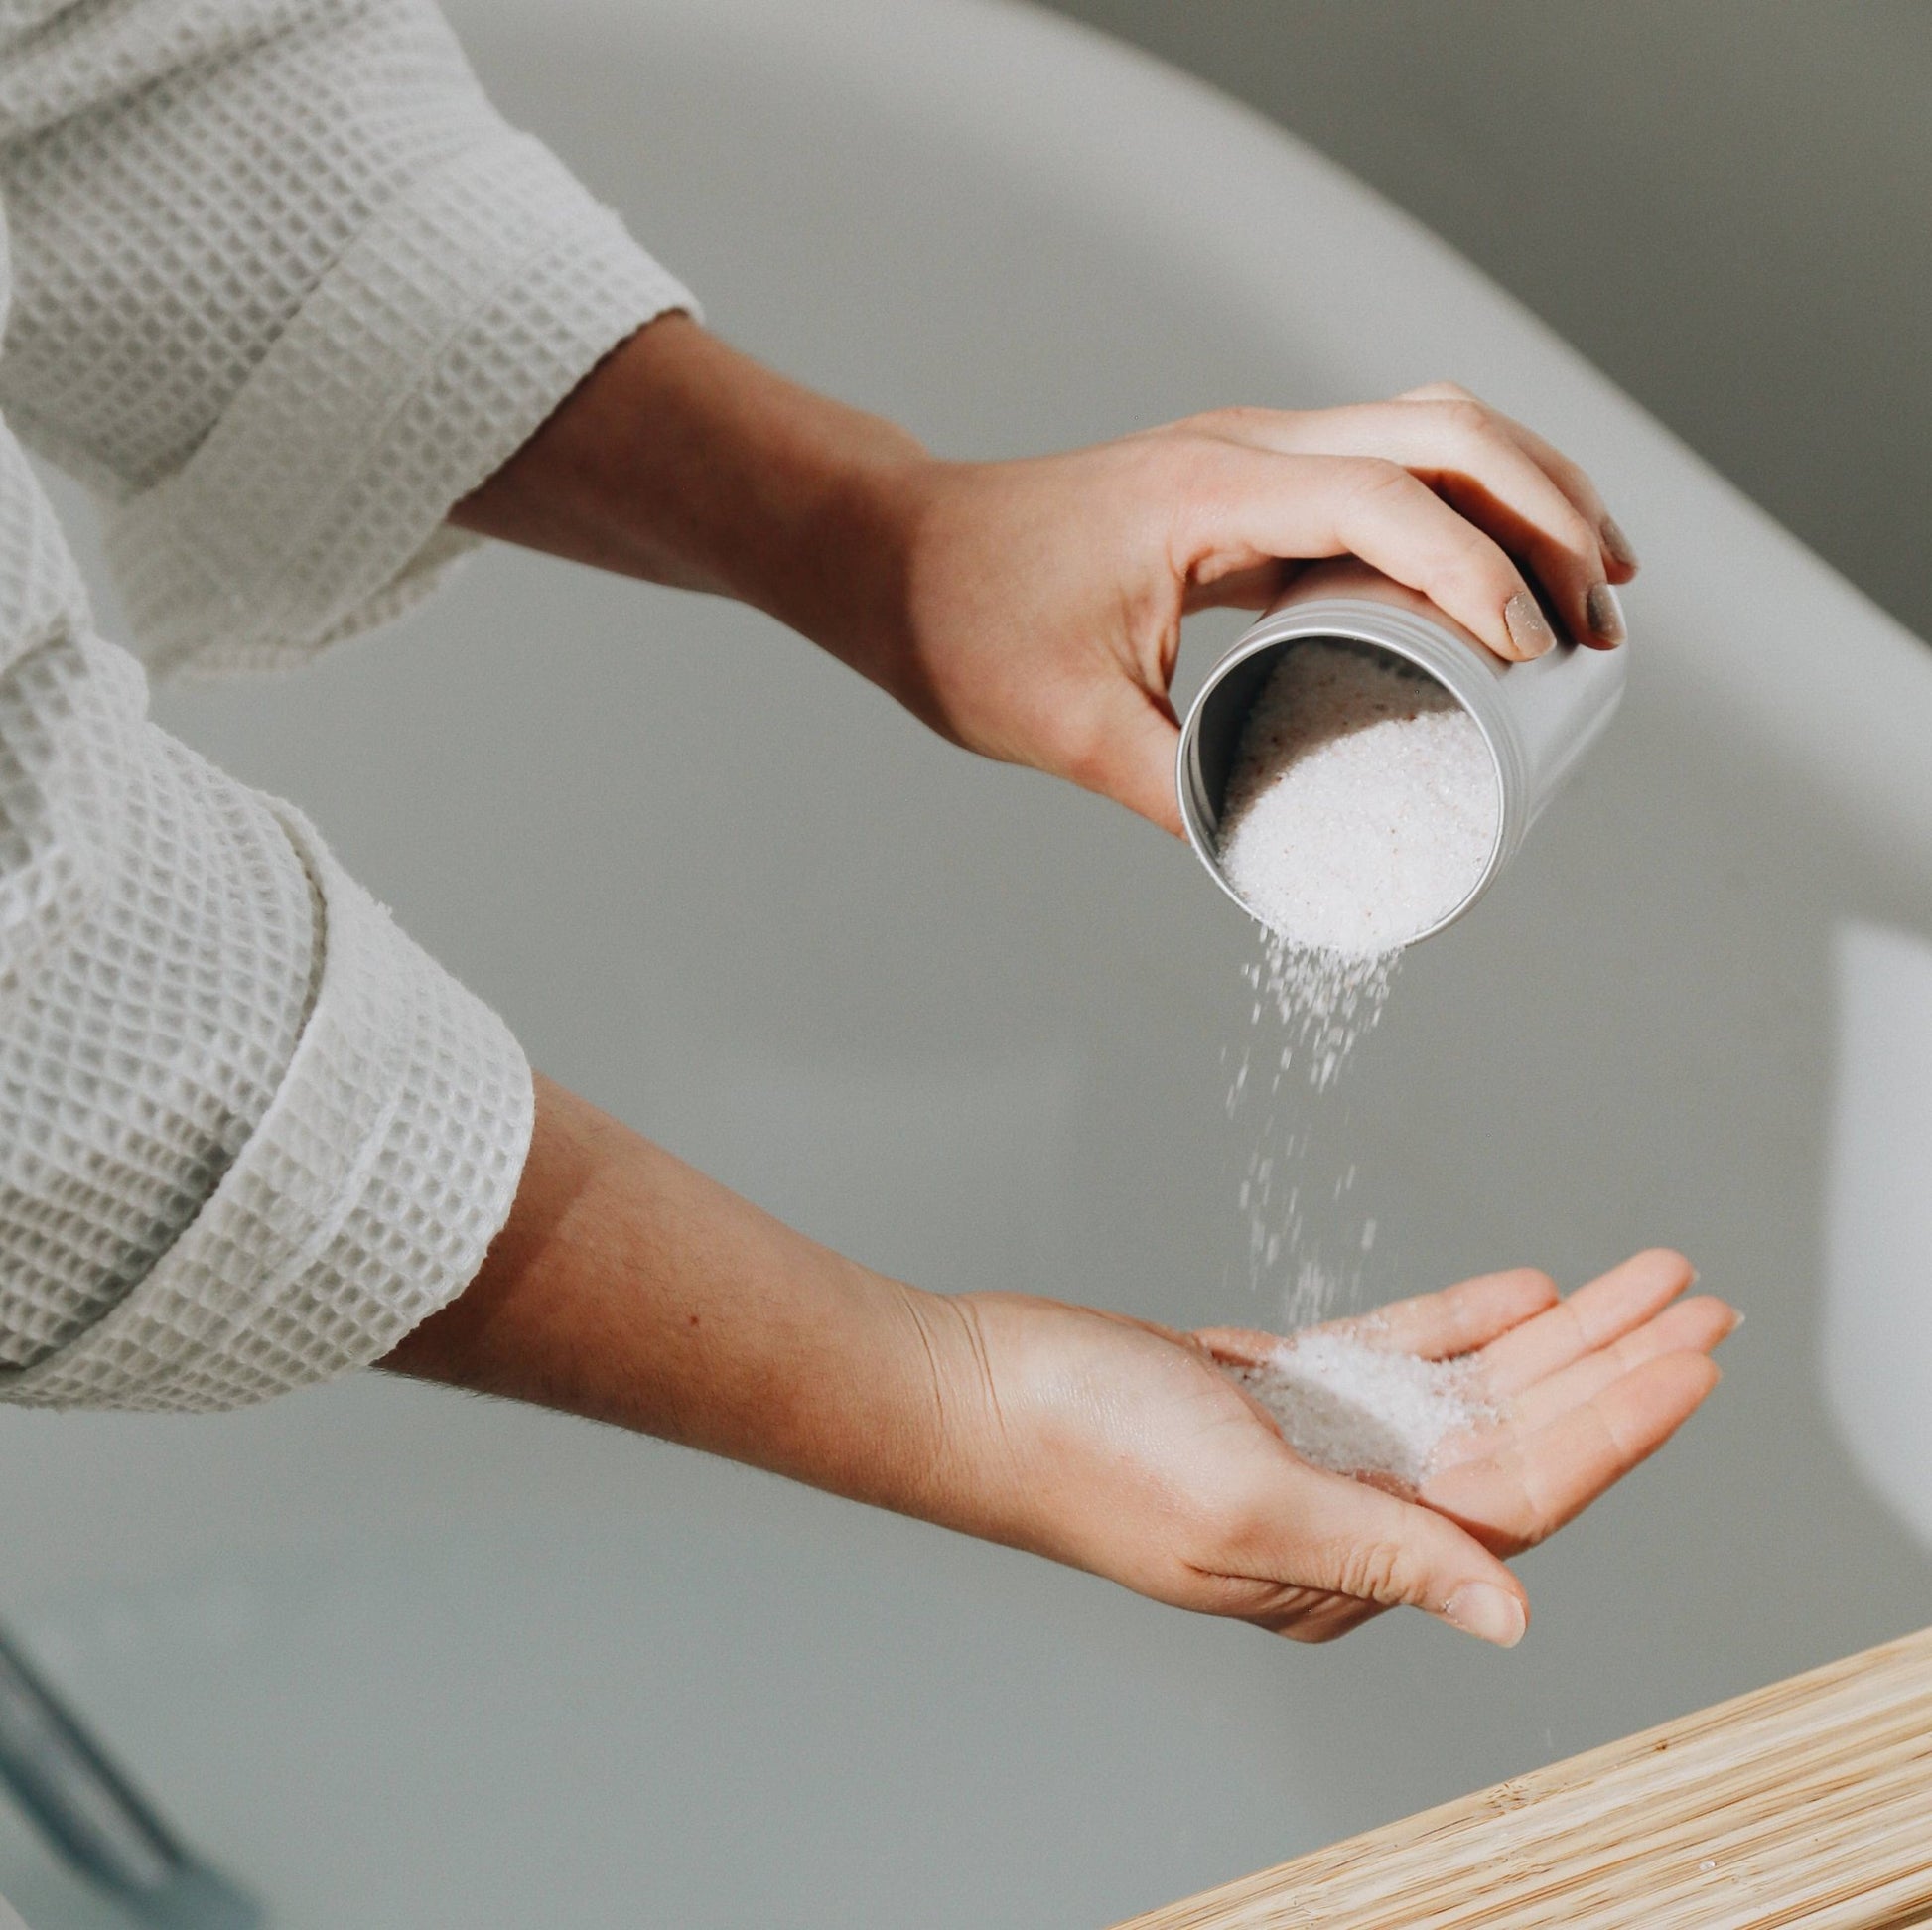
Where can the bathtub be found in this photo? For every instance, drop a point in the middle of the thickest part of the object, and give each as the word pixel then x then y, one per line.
pixel 404 1658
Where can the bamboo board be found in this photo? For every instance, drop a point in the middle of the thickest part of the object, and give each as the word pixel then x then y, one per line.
pixel 1808 1803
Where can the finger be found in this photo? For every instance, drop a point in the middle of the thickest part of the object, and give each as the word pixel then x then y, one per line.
pixel 1338 1537
pixel 1690 1327
pixel 1253 587
pixel 1457 1320
pixel 1469 456
pixel 1240 1347
pixel 1592 1316
pixel 1619 558
pixel 1620 562
pixel 1126 750
pixel 1319 1617
pixel 1250 504
pixel 1525 1492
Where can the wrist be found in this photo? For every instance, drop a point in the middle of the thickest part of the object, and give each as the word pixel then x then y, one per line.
pixel 837 564
pixel 628 1288
pixel 681 460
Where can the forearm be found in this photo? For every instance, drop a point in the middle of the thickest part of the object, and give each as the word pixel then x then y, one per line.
pixel 680 460
pixel 628 1288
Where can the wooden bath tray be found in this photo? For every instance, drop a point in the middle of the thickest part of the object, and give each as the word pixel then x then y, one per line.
pixel 1805 1804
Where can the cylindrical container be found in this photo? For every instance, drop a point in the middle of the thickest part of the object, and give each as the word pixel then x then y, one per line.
pixel 1537 717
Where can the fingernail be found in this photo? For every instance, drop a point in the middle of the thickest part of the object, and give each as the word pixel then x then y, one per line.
pixel 1618 544
pixel 1529 629
pixel 1605 614
pixel 1487 1614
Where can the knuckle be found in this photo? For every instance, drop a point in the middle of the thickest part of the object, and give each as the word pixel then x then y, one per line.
pixel 1207 466
pixel 1182 430
pixel 1244 419
pixel 1373 1572
pixel 1169 442
pixel 1217 422
pixel 1570 477
pixel 1579 535
pixel 1437 391
pixel 1375 479
pixel 1463 564
pixel 1227 423
pixel 1173 479
pixel 1481 571
pixel 1175 459
pixel 1467 417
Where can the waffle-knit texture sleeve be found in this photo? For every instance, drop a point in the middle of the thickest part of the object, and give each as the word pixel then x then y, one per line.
pixel 283 288
pixel 249 1132
pixel 286 289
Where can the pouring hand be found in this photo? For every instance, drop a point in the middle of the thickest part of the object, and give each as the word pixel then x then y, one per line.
pixel 1032 609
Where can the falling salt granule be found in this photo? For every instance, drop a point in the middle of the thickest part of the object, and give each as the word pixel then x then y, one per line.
pixel 1360 811
pixel 1362 805
pixel 1356 1409
pixel 1325 1005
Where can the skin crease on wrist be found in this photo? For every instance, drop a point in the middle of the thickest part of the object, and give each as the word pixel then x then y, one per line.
pixel 1031 610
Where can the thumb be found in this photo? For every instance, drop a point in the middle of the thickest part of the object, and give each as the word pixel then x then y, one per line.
pixel 1130 751
pixel 1357 1541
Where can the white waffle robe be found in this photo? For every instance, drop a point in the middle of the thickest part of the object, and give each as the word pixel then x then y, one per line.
pixel 282 288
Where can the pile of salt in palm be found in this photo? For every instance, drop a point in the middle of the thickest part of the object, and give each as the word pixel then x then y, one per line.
pixel 1360 811
pixel 1347 1405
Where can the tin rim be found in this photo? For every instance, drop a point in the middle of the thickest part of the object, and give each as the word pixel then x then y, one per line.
pixel 1377 627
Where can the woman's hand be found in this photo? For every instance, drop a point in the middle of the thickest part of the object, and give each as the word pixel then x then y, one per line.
pixel 630 1289
pixel 1126 1451
pixel 1044 599
pixel 1032 609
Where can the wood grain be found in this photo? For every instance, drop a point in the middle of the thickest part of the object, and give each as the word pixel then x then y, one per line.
pixel 1809 1803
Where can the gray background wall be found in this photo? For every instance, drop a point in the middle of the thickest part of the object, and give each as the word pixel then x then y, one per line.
pixel 1725 203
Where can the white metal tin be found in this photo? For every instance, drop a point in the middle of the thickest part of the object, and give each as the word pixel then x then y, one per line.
pixel 1537 717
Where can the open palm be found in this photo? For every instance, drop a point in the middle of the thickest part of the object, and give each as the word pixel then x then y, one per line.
pixel 1144 1463
pixel 1581 1389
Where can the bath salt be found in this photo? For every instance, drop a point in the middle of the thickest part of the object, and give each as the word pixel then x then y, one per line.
pixel 1361 808
pixel 1356 1409
pixel 1323 1005
pixel 1324 1000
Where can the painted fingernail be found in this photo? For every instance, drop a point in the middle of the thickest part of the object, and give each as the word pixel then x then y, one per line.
pixel 1605 614
pixel 1529 629
pixel 1618 544
pixel 1487 1614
